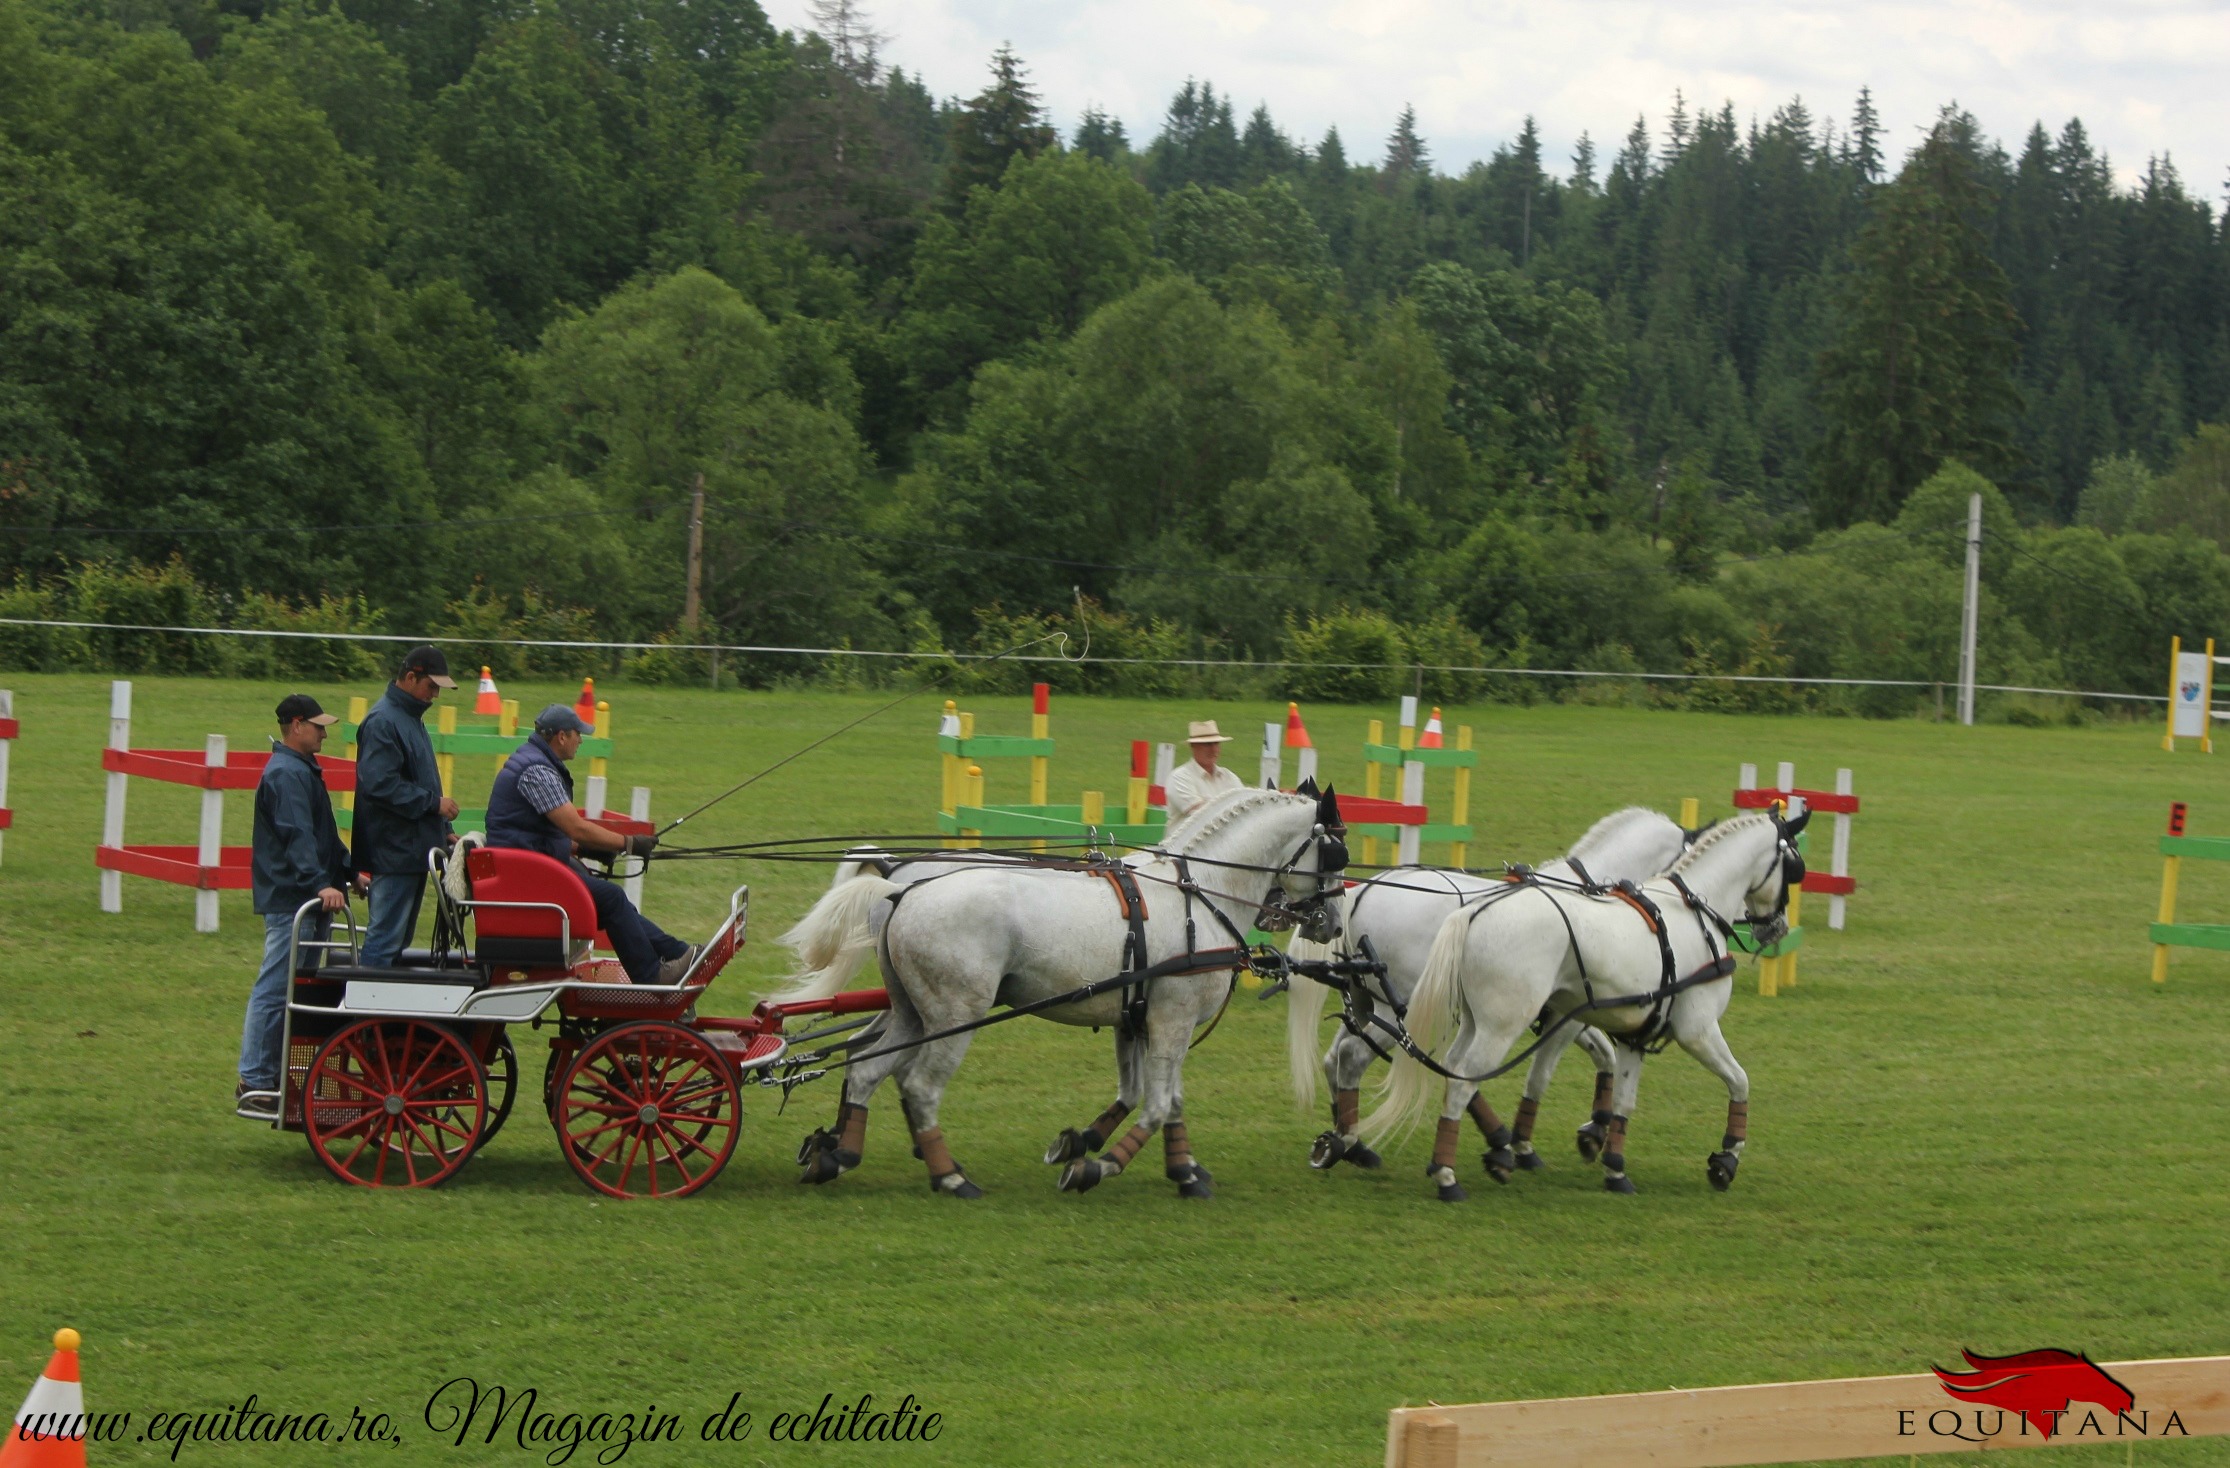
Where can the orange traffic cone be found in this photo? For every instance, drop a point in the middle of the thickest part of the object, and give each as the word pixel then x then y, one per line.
pixel 49 1432
pixel 585 705
pixel 1296 732
pixel 489 701
pixel 1430 739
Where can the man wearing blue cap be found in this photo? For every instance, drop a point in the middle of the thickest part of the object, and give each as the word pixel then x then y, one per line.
pixel 531 807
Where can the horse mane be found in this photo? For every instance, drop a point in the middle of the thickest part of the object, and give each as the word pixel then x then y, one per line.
pixel 1601 829
pixel 1217 814
pixel 1716 836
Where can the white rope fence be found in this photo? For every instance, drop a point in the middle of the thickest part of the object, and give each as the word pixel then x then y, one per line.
pixel 965 657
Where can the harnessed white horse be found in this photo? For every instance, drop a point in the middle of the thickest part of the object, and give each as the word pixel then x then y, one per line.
pixel 1172 925
pixel 1640 963
pixel 1400 912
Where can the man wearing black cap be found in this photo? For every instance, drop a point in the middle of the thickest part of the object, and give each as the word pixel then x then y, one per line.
pixel 401 811
pixel 532 807
pixel 297 856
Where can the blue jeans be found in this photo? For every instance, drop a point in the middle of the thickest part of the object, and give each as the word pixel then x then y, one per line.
pixel 640 943
pixel 260 1061
pixel 394 917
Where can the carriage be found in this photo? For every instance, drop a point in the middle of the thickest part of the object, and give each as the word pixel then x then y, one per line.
pixel 398 1075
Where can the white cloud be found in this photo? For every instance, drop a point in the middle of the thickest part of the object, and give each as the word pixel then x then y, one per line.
pixel 2144 75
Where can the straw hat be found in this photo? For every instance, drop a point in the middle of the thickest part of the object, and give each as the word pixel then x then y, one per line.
pixel 1204 731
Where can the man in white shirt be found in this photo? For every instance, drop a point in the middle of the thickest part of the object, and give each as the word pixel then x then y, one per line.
pixel 1195 783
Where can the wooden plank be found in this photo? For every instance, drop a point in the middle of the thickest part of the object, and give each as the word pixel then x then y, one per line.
pixel 2192 935
pixel 2206 848
pixel 1782 1422
pixel 1826 801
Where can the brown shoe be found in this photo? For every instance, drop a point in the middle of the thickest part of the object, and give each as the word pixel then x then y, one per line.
pixel 674 970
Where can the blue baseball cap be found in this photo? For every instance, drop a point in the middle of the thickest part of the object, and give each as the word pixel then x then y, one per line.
pixel 559 719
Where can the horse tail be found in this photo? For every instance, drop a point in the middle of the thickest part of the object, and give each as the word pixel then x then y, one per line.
pixel 1304 1008
pixel 834 939
pixel 1407 1094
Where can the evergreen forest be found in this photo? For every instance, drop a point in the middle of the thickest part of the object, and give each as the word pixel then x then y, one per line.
pixel 445 316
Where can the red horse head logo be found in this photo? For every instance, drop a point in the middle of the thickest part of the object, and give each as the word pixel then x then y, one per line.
pixel 2036 1384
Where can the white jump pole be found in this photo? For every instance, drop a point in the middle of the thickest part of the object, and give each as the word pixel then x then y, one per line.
pixel 1409 845
pixel 7 711
pixel 1839 863
pixel 1746 778
pixel 1304 766
pixel 638 807
pixel 593 805
pixel 212 838
pixel 1165 764
pixel 1273 755
pixel 112 819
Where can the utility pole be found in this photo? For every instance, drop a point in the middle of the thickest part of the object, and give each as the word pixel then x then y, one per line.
pixel 690 597
pixel 1973 606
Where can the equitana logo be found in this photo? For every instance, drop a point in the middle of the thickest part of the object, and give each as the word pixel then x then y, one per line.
pixel 2038 1390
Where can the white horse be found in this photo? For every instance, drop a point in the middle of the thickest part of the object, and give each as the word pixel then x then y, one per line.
pixel 1400 911
pixel 1496 965
pixel 956 945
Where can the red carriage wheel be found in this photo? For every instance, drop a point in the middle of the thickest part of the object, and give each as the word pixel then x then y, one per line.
pixel 394 1103
pixel 648 1110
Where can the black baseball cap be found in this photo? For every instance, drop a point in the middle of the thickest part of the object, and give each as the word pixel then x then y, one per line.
pixel 431 662
pixel 302 706
pixel 558 719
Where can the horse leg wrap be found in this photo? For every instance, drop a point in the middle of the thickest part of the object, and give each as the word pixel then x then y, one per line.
pixel 1447 1137
pixel 1603 1081
pixel 1501 1159
pixel 1720 1166
pixel 1191 1178
pixel 1118 1156
pixel 1521 1133
pixel 1096 1135
pixel 1346 1112
pixel 1615 1179
pixel 851 1134
pixel 945 1175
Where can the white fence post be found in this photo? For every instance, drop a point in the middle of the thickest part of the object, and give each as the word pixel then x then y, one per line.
pixel 1785 779
pixel 593 806
pixel 1839 864
pixel 7 711
pixel 1409 843
pixel 1304 766
pixel 212 838
pixel 638 808
pixel 1273 755
pixel 1746 778
pixel 112 820
pixel 1165 765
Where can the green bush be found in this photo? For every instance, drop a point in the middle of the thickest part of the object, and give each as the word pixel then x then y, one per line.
pixel 481 628
pixel 39 649
pixel 1441 647
pixel 136 596
pixel 318 659
pixel 1325 654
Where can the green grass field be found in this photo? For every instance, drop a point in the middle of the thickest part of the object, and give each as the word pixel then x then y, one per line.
pixel 1974 1123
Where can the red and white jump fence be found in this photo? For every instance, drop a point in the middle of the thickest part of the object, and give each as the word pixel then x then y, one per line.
pixel 7 737
pixel 208 866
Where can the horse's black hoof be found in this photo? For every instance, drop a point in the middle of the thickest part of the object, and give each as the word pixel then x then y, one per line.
pixel 1193 1182
pixel 1067 1147
pixel 1361 1156
pixel 1452 1193
pixel 819 1140
pixel 1719 1167
pixel 1082 1175
pixel 1501 1163
pixel 955 1185
pixel 822 1164
pixel 1530 1161
pixel 1618 1183
pixel 1327 1152
pixel 1591 1140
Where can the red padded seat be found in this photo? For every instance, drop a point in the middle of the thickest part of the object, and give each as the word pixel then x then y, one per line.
pixel 532 937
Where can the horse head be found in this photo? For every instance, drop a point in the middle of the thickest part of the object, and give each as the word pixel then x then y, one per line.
pixel 1305 884
pixel 1767 900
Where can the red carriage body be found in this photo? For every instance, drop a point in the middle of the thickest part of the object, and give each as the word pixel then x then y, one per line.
pixel 398 1075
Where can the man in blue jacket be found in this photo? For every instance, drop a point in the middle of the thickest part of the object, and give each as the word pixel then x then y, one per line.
pixel 401 811
pixel 297 857
pixel 532 807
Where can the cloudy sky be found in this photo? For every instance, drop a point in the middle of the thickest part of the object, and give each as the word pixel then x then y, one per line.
pixel 2145 76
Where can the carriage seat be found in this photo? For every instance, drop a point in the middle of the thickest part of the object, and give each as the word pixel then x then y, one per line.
pixel 557 933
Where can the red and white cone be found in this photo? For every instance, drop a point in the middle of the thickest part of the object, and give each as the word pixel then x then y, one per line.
pixel 49 1430
pixel 1296 732
pixel 489 701
pixel 1430 739
pixel 585 705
